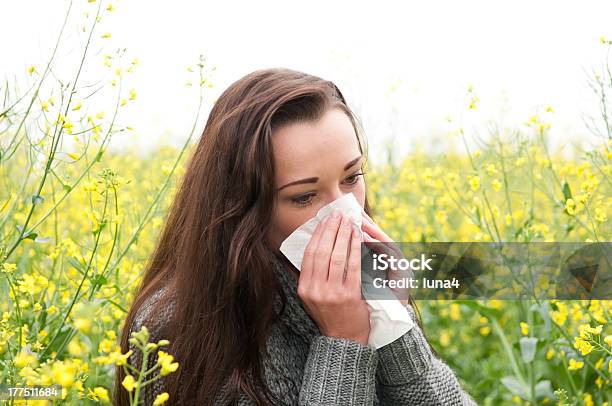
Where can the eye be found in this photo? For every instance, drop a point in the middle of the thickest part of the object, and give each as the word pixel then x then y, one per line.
pixel 303 200
pixel 353 179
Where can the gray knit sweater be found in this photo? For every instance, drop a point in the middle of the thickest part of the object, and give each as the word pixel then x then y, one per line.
pixel 330 370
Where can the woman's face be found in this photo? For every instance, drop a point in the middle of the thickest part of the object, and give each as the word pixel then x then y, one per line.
pixel 315 163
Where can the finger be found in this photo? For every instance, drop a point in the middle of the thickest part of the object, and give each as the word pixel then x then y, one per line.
pixel 371 242
pixel 353 273
pixel 338 260
pixel 310 250
pixel 366 215
pixel 382 247
pixel 375 231
pixel 323 253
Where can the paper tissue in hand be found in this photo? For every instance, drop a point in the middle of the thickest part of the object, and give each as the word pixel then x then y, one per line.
pixel 389 320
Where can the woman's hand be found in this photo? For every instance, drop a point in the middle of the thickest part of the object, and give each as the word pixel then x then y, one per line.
pixel 383 244
pixel 332 300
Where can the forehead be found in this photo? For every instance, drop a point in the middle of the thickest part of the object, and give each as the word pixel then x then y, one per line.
pixel 314 148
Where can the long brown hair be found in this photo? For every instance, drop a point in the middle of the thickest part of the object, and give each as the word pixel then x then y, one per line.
pixel 212 249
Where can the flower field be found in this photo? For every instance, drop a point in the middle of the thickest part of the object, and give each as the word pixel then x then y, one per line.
pixel 78 222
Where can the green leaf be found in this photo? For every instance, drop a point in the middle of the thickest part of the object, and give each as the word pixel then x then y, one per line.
pixel 515 386
pixel 37 199
pixel 76 264
pixel 61 337
pixel 100 280
pixel 567 193
pixel 484 310
pixel 528 348
pixel 31 236
pixel 544 388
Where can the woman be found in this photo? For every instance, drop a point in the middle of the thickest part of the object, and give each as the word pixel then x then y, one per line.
pixel 244 324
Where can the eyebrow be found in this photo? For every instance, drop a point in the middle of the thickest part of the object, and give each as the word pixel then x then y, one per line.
pixel 315 179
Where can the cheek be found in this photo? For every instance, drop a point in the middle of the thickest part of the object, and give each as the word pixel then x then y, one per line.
pixel 285 222
pixel 360 192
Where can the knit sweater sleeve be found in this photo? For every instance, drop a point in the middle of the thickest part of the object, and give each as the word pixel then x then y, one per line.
pixel 409 373
pixel 339 371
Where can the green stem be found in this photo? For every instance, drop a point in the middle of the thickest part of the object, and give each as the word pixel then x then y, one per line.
pixel 509 352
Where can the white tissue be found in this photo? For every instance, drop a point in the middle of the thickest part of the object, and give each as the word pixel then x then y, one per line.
pixel 389 319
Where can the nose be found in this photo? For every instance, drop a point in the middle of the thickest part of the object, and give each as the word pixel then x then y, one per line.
pixel 337 194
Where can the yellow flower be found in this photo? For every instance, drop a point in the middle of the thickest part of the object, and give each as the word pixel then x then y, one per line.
pixel 132 94
pixel 165 360
pixel 75 349
pixel 585 330
pixel 8 268
pixel 121 359
pixel 68 126
pixel 584 346
pixel 161 399
pixel 129 383
pixel 98 394
pixel 560 316
pixel 444 338
pixel 441 216
pixel 110 8
pixel 595 330
pixel 599 382
pixel 31 69
pixel 73 155
pixel 474 182
pixel 106 35
pixel 524 328
pixel 485 330
pixel 490 169
pixel 82 324
pixel 63 373
pixel 473 103
pixel 574 365
pixel 23 359
pixel 600 215
pixel 455 311
pixel 520 161
pixel 570 206
pixel 608 340
pixel 77 107
pixel 496 184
